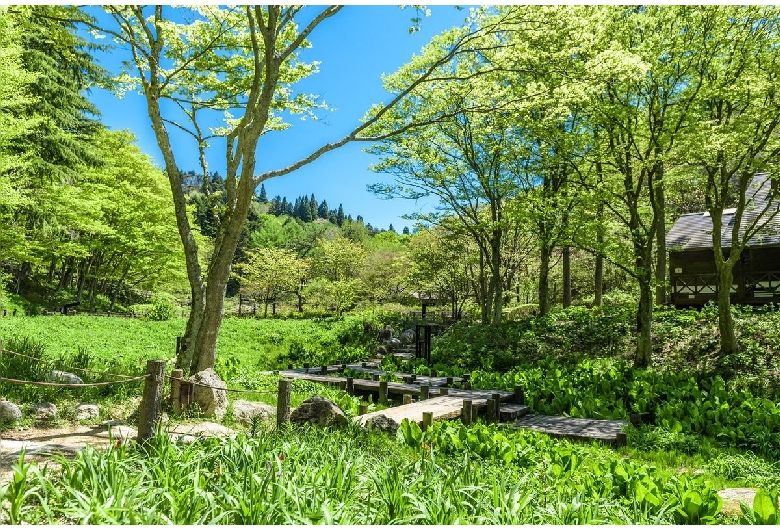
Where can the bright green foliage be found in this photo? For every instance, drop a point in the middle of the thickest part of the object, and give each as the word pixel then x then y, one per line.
pixel 447 475
pixel 270 272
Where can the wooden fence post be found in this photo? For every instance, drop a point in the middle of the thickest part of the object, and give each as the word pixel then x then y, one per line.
pixel 519 395
pixel 283 403
pixel 351 386
pixel 491 411
pixel 427 420
pixel 444 391
pixel 620 439
pixel 375 377
pixel 176 376
pixel 407 399
pixel 383 392
pixel 425 392
pixel 362 409
pixel 497 404
pixel 151 402
pixel 324 370
pixel 467 412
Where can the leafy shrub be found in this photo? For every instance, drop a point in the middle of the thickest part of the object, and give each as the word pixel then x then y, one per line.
pixel 162 308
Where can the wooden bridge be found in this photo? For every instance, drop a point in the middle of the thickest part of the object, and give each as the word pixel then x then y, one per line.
pixel 437 401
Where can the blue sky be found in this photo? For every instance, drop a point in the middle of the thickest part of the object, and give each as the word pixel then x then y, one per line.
pixel 354 48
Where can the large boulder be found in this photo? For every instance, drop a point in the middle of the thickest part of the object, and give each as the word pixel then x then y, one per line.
pixel 87 411
pixel 44 411
pixel 319 411
pixel 58 376
pixel 9 412
pixel 244 411
pixel 407 336
pixel 210 393
pixel 382 423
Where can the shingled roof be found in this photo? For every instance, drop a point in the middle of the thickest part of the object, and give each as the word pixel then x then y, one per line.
pixel 693 231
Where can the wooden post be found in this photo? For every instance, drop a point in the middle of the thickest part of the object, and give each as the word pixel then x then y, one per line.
pixel 407 399
pixel 620 439
pixel 363 365
pixel 351 386
pixel 491 411
pixel 383 392
pixel 467 412
pixel 362 409
pixel 444 391
pixel 466 385
pixel 151 402
pixel 375 377
pixel 289 366
pixel 427 420
pixel 283 403
pixel 450 380
pixel 176 376
pixel 412 378
pixel 306 367
pixel 497 404
pixel 519 395
pixel 324 370
pixel 425 392
pixel 466 377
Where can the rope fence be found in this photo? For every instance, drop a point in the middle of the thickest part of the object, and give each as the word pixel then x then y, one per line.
pixel 237 390
pixel 74 385
pixel 74 369
pixel 150 408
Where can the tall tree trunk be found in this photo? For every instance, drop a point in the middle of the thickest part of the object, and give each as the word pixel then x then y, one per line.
pixel 644 346
pixel 544 278
pixel 660 242
pixel 566 276
pixel 728 340
pixel 497 287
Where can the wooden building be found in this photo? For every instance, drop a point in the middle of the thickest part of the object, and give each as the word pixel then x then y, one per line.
pixel 692 272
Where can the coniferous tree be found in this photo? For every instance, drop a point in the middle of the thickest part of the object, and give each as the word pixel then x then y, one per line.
pixel 263 196
pixel 340 216
pixel 406 231
pixel 313 207
pixel 323 211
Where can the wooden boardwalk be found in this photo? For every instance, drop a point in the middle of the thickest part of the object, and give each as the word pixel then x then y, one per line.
pixel 446 403
pixel 575 428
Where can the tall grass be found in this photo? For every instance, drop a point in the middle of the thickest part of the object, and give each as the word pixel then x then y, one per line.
pixel 303 476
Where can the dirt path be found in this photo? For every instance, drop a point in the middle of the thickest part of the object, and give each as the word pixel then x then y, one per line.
pixel 40 444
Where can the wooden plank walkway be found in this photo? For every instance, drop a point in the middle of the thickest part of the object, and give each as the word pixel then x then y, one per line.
pixel 449 406
pixel 576 428
pixel 442 408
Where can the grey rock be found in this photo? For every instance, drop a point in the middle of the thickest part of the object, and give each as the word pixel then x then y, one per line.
pixel 244 411
pixel 44 411
pixel 407 336
pixel 213 401
pixel 391 344
pixel 9 412
pixel 382 423
pixel 204 429
pixel 58 376
pixel 87 411
pixel 386 332
pixel 732 497
pixel 319 411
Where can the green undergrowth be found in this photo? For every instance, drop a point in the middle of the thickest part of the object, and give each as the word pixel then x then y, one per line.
pixel 450 474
